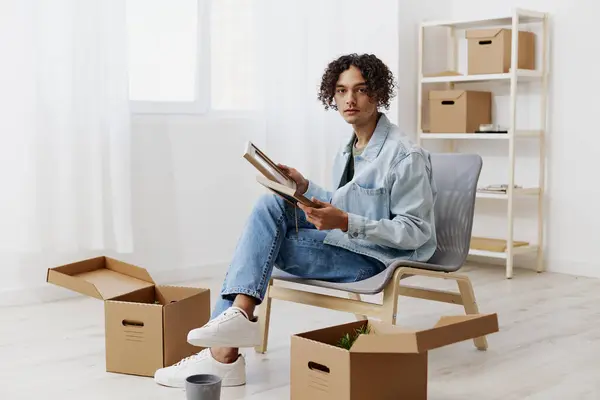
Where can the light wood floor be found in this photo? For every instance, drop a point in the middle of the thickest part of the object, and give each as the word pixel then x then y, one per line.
pixel 548 346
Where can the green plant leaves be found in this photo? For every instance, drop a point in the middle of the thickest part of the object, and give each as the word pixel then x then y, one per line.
pixel 347 341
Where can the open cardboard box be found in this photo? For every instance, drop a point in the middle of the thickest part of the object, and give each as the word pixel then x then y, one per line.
pixel 388 363
pixel 146 325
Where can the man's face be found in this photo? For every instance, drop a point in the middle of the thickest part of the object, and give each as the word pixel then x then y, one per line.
pixel 351 97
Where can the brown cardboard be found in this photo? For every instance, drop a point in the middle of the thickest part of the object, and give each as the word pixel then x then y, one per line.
pixel 493 244
pixel 102 278
pixel 489 51
pixel 459 111
pixel 389 363
pixel 146 325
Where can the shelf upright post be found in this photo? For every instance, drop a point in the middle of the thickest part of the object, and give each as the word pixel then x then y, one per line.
pixel 542 144
pixel 511 143
pixel 420 84
pixel 452 64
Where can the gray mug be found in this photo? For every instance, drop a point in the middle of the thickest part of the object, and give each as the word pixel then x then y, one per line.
pixel 203 387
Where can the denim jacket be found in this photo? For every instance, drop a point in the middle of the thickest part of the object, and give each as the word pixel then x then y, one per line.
pixel 389 201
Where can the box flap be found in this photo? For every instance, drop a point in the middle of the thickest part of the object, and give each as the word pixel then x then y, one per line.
pixel 454 329
pixel 386 343
pixel 445 94
pixel 483 33
pixel 386 338
pixel 102 277
pixel 448 330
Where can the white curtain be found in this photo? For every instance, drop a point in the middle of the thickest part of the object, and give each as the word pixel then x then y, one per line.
pixel 295 41
pixel 64 129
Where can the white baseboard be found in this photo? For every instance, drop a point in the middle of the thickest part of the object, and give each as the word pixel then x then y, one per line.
pixel 576 268
pixel 522 262
pixel 46 292
pixel 573 268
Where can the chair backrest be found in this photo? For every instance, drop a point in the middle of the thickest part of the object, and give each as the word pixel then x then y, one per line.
pixel 456 177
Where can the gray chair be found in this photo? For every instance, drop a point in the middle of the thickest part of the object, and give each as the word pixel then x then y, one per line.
pixel 456 177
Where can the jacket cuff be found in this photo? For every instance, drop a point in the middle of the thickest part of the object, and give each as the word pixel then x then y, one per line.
pixel 315 191
pixel 356 226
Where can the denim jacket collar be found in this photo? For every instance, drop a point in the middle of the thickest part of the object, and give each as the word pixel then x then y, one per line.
pixel 376 142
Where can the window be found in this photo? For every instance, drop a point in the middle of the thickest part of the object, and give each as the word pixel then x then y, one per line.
pixel 190 56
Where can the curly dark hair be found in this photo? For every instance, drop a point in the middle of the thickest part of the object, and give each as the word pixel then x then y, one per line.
pixel 379 79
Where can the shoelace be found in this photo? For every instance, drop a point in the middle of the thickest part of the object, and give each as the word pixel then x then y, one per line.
pixel 199 356
pixel 220 318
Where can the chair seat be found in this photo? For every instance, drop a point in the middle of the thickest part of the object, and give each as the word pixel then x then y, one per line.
pixel 372 285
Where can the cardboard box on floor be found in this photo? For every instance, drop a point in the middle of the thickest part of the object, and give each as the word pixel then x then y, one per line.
pixel 388 363
pixel 459 111
pixel 489 51
pixel 146 325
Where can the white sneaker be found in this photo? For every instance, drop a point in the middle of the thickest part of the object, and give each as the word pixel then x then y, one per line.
pixel 233 374
pixel 231 328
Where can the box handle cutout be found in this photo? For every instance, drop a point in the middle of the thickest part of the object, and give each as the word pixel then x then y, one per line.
pixel 484 42
pixel 127 322
pixel 447 102
pixel 319 367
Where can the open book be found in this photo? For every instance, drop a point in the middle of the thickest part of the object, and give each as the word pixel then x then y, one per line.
pixel 273 177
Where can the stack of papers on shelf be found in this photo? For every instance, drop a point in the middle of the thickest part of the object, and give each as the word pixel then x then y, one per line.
pixel 501 188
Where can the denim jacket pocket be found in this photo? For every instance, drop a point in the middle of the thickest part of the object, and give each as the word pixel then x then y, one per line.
pixel 372 203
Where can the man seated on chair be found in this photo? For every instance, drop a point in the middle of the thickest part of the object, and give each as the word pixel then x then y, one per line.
pixel 381 211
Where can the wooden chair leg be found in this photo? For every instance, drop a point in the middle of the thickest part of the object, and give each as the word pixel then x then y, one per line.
pixel 264 315
pixel 356 296
pixel 468 299
pixel 390 298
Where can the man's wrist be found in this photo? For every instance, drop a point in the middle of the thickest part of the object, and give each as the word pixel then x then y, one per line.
pixel 303 187
pixel 344 226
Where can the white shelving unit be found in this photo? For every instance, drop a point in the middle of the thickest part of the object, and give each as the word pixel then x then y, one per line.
pixel 514 135
pixel 522 74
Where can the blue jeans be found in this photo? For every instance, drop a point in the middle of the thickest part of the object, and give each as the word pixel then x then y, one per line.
pixel 270 238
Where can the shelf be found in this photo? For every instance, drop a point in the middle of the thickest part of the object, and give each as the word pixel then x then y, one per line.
pixel 525 17
pixel 452 76
pixel 481 136
pixel 504 196
pixel 504 255
pixel 522 74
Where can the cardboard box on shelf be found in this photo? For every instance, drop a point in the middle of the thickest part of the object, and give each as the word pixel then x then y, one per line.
pixel 146 325
pixel 459 111
pixel 388 363
pixel 489 51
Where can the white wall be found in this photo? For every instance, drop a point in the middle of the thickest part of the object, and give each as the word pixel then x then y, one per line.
pixel 410 14
pixel 192 189
pixel 184 166
pixel 572 161
pixel 191 194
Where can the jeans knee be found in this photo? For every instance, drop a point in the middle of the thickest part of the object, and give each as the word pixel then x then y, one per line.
pixel 270 203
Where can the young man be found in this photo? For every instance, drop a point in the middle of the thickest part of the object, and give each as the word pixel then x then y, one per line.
pixel 381 210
